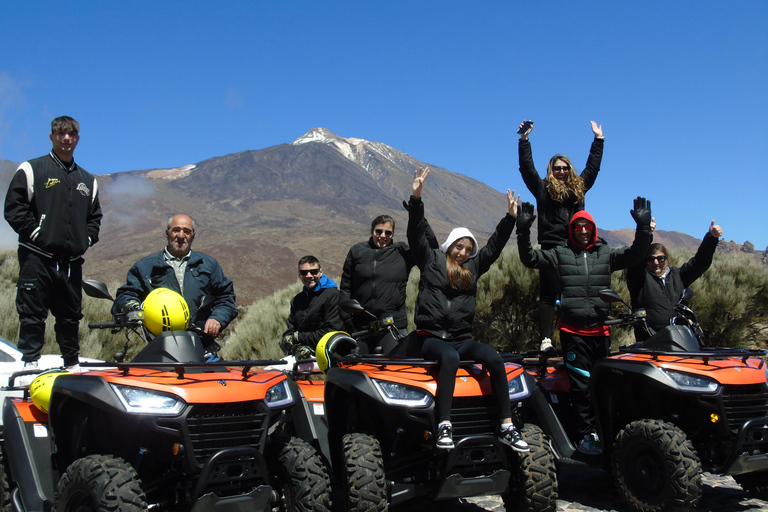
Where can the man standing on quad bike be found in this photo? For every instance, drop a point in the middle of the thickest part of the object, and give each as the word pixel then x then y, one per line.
pixel 53 204
pixel 657 287
pixel 196 276
pixel 314 310
pixel 584 267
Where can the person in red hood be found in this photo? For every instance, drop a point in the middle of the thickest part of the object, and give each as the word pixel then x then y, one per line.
pixel 584 267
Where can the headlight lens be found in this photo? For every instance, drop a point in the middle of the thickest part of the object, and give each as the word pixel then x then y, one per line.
pixel 138 400
pixel 688 382
pixel 400 394
pixel 279 395
pixel 518 389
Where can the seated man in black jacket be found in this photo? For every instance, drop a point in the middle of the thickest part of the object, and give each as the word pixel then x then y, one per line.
pixel 584 268
pixel 314 311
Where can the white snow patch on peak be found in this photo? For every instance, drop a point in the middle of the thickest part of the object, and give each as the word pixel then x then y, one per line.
pixel 171 174
pixel 351 148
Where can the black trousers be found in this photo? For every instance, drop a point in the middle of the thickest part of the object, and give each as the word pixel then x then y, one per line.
pixel 549 291
pixel 45 285
pixel 581 352
pixel 448 354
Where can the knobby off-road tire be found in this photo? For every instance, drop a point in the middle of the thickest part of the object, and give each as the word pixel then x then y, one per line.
pixel 98 483
pixel 533 484
pixel 302 478
pixel 364 483
pixel 756 484
pixel 655 467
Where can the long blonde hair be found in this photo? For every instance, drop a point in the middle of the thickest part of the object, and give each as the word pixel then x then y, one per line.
pixel 459 277
pixel 559 190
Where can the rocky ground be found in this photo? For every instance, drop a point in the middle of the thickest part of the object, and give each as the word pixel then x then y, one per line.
pixel 592 491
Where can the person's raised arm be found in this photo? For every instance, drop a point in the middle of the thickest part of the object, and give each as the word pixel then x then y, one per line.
pixel 693 269
pixel 492 250
pixel 419 178
pixel 589 174
pixel 638 251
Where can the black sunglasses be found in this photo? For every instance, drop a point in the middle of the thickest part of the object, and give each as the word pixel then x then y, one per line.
pixel 313 271
pixel 380 232
pixel 661 258
pixel 561 167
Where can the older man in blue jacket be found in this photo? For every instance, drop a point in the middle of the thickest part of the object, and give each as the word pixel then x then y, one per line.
pixel 196 276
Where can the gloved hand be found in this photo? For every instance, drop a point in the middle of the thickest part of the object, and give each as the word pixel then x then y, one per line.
pixel 642 212
pixel 132 305
pixel 525 217
pixel 303 352
pixel 289 340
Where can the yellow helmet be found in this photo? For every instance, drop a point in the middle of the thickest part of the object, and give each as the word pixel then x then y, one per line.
pixel 165 310
pixel 41 388
pixel 331 347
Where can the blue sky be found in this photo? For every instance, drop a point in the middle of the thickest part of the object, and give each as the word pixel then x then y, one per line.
pixel 681 89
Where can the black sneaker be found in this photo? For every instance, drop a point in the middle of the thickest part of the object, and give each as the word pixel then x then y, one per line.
pixel 512 438
pixel 445 436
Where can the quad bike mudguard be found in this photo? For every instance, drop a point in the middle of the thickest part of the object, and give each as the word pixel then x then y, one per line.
pixel 27 454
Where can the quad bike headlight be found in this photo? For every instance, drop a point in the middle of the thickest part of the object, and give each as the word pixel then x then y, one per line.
pixel 518 389
pixel 689 382
pixel 146 401
pixel 279 395
pixel 400 394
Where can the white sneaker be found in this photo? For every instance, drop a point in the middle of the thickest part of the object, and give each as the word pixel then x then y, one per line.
pixel 75 368
pixel 512 438
pixel 30 365
pixel 445 436
pixel 546 346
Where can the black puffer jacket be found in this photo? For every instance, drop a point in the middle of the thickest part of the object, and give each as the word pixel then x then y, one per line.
pixel 553 216
pixel 377 278
pixel 440 309
pixel 584 272
pixel 315 312
pixel 659 297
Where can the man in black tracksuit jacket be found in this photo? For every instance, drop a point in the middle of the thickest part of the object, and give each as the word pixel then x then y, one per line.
pixel 53 204
pixel 584 267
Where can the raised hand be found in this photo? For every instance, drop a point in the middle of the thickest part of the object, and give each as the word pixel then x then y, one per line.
pixel 525 217
pixel 419 177
pixel 513 201
pixel 641 212
pixel 715 230
pixel 597 130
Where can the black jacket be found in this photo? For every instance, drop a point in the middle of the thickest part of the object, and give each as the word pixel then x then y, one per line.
pixel 377 278
pixel 55 211
pixel 584 272
pixel 315 312
pixel 203 279
pixel 659 297
pixel 440 309
pixel 554 217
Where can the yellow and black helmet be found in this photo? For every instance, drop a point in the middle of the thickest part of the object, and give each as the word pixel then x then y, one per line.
pixel 41 388
pixel 165 310
pixel 332 347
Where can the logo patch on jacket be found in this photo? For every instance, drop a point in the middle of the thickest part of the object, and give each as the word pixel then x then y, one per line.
pixel 83 189
pixel 51 182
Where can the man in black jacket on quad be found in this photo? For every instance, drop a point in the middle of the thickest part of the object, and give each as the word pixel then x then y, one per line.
pixel 584 267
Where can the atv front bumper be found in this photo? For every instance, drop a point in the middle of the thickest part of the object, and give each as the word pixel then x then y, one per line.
pixel 750 451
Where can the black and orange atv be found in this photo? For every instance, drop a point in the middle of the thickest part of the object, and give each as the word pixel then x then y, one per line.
pixel 667 409
pixel 166 431
pixel 377 412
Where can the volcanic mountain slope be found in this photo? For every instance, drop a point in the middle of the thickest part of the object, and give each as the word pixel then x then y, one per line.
pixel 259 211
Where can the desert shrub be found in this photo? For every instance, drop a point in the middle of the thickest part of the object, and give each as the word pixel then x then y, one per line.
pixel 255 334
pixel 507 300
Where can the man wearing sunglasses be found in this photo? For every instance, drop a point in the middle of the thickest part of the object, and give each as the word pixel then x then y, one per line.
pixel 657 287
pixel 584 267
pixel 314 311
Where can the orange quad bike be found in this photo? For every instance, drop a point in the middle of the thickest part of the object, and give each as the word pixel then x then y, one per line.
pixel 375 417
pixel 166 431
pixel 667 408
